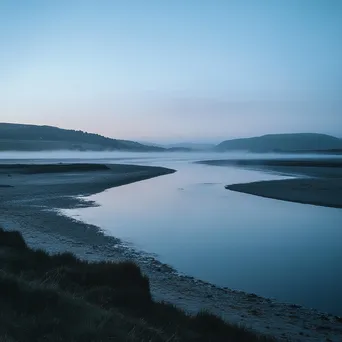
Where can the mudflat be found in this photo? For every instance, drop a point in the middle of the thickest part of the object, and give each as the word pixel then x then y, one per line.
pixel 64 180
pixel 317 181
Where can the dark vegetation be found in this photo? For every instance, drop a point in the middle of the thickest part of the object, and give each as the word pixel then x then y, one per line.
pixel 17 137
pixel 295 142
pixel 61 298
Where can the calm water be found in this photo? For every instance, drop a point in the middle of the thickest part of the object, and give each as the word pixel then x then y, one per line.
pixel 288 251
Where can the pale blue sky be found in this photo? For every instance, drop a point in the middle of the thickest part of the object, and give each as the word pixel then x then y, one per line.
pixel 173 70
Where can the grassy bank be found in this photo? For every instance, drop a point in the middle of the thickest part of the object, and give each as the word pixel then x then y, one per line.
pixel 61 298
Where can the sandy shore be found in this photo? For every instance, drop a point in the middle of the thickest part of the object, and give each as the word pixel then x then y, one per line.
pixel 317 182
pixel 29 202
pixel 322 192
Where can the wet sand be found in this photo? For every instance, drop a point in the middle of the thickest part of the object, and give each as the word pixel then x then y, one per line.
pixel 316 182
pixel 322 192
pixel 29 202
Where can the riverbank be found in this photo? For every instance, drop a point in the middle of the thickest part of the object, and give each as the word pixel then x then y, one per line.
pixel 31 206
pixel 317 182
pixel 59 297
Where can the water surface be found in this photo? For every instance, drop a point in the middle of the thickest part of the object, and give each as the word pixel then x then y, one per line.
pixel 288 251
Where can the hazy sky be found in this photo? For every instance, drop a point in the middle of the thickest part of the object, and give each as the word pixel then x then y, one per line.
pixel 165 70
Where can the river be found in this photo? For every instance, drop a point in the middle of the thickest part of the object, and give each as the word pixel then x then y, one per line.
pixel 287 251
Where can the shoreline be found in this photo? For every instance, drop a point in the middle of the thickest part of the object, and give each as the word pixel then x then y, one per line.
pixel 318 192
pixel 317 182
pixel 32 208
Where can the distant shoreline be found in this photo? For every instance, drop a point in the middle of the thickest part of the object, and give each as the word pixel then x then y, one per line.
pixel 317 182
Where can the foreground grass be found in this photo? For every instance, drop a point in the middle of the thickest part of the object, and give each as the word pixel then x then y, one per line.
pixel 61 298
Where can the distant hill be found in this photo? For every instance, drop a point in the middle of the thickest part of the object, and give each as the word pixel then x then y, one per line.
pixel 18 137
pixel 191 146
pixel 182 146
pixel 179 149
pixel 295 142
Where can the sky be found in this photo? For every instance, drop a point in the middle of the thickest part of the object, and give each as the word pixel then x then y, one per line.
pixel 167 71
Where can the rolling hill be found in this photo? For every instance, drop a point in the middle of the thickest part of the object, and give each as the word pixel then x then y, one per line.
pixel 295 142
pixel 19 137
